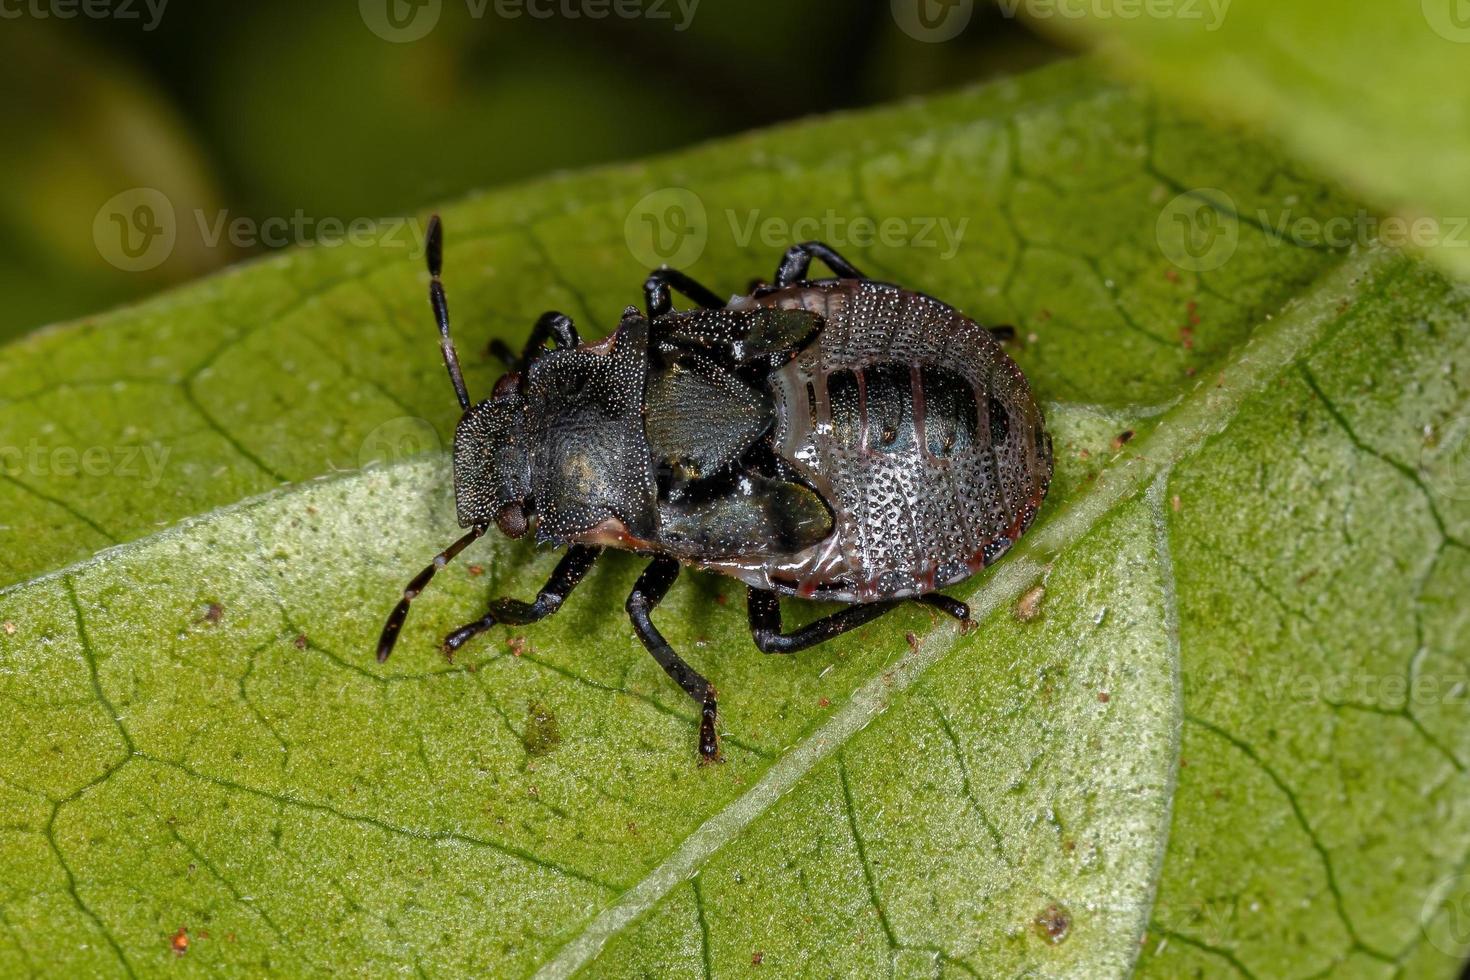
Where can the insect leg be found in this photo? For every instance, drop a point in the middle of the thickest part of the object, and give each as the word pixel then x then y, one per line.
pixel 417 584
pixel 951 607
pixel 569 571
pixel 798 260
pixel 656 291
pixel 765 622
pixel 551 325
pixel 650 588
pixel 1002 332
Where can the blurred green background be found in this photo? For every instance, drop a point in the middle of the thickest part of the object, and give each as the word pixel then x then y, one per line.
pixel 277 109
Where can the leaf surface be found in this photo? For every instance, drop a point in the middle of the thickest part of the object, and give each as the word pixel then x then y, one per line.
pixel 1374 94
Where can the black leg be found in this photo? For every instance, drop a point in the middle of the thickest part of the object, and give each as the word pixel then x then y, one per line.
pixel 394 625
pixel 765 622
pixel 1002 332
pixel 945 604
pixel 656 291
pixel 569 571
pixel 647 592
pixel 551 325
pixel 798 259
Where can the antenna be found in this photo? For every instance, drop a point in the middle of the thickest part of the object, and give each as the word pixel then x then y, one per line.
pixel 394 625
pixel 434 249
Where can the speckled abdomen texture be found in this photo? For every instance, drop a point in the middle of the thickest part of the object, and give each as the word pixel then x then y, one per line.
pixel 917 429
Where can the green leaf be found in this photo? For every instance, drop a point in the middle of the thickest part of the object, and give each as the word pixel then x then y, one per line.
pixel 1375 94
pixel 197 737
pixel 323 359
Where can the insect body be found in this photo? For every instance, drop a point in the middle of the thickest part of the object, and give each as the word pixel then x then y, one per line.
pixel 840 439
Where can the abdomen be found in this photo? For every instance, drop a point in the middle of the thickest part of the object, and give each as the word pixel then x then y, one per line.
pixel 918 431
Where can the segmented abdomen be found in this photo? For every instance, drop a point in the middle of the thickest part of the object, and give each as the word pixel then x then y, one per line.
pixel 919 432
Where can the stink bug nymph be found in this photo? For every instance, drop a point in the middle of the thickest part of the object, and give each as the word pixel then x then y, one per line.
pixel 840 439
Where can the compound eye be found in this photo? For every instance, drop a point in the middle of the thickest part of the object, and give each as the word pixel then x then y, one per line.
pixel 511 519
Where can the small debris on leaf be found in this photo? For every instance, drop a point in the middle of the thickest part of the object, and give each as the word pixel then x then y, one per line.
pixel 179 943
pixel 1122 439
pixel 9 628
pixel 1104 697
pixel 477 570
pixel 300 641
pixel 913 641
pixel 214 613
pixel 1175 503
pixel 518 645
pixel 757 958
pixel 1028 607
pixel 1054 923
pixel 542 732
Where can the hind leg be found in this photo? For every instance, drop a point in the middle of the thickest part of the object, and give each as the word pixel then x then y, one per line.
pixel 798 260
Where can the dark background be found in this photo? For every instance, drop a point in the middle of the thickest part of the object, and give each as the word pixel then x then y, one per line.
pixel 274 109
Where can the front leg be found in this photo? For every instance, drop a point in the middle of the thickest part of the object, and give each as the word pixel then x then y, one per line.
pixel 569 571
pixel 647 592
pixel 551 325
